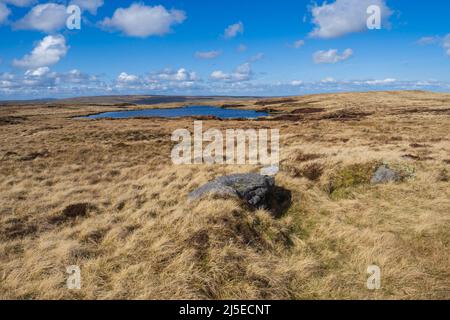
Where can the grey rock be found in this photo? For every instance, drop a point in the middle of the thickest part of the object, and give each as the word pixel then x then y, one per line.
pixel 385 175
pixel 258 191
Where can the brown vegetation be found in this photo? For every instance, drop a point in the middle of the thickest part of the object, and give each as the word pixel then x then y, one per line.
pixel 104 195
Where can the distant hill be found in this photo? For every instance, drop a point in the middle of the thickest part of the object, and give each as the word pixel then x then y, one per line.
pixel 119 100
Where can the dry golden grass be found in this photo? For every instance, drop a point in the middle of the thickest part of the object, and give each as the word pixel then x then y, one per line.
pixel 104 195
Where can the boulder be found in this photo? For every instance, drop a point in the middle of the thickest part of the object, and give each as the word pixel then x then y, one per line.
pixel 384 175
pixel 257 191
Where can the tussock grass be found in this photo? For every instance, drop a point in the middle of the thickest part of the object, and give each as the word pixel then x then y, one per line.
pixel 343 180
pixel 104 195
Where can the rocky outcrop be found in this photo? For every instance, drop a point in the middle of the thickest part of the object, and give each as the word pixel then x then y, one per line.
pixel 257 191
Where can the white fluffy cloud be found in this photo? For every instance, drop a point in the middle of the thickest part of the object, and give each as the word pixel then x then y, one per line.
pixel 39 72
pixel 140 20
pixel 42 83
pixel 128 81
pixel 208 54
pixel 180 75
pixel 296 83
pixel 219 75
pixel 127 78
pixel 344 16
pixel 20 3
pixel 331 56
pixel 233 30
pixel 328 80
pixel 162 81
pixel 241 73
pixel 47 52
pixel 4 13
pixel 47 17
pixel 89 5
pixel 380 82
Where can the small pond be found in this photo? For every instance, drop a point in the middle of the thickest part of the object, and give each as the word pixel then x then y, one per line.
pixel 221 113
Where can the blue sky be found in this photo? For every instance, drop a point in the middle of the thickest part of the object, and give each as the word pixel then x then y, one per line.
pixel 221 47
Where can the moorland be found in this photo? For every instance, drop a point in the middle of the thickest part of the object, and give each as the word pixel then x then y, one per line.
pixel 104 195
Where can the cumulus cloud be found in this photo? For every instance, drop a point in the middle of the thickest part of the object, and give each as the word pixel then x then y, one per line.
pixel 77 77
pixel 127 78
pixel 89 5
pixel 328 80
pixel 161 81
pixel 380 82
pixel 296 83
pixel 219 75
pixel 331 56
pixel 180 75
pixel 241 73
pixel 142 21
pixel 47 17
pixel 42 82
pixel 39 72
pixel 46 53
pixel 233 30
pixel 208 54
pixel 343 17
pixel 128 81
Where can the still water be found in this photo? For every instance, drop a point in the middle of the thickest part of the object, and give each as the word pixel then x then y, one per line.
pixel 182 112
